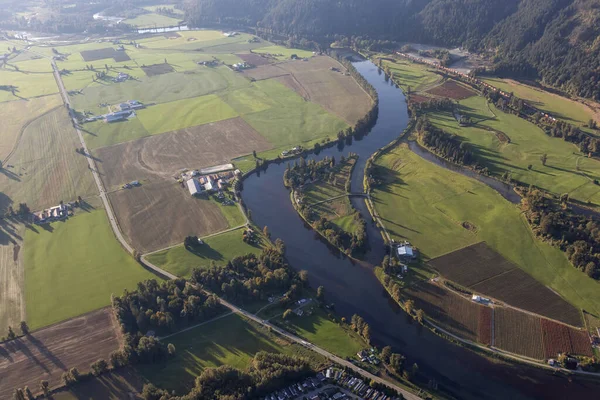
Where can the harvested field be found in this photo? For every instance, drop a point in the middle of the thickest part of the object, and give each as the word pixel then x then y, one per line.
pixel 453 90
pixel 518 332
pixel 417 98
pixel 315 81
pixel 160 157
pixel 559 338
pixel 157 69
pixel 158 215
pixel 102 54
pixel 45 162
pixel 255 59
pixel 12 303
pixel 47 353
pixel 484 271
pixel 484 331
pixel 450 311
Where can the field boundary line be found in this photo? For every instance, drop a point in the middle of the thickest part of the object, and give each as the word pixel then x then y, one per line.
pixel 189 328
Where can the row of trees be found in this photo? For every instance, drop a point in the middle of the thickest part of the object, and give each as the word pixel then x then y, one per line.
pixel 358 324
pixel 575 234
pixel 353 243
pixel 395 290
pixel 447 145
pixel 267 373
pixel 249 278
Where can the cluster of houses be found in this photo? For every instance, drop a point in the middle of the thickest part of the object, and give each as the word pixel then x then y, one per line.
pixel 197 184
pixel 299 390
pixel 121 77
pixel 292 152
pixel 406 252
pixel 368 356
pixel 56 213
pixel 241 66
pixel 355 385
pixel 125 111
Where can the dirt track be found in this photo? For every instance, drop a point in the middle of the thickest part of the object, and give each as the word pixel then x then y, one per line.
pixel 158 215
pixel 47 353
pixel 160 157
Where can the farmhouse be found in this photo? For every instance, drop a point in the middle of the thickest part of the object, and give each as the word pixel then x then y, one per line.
pixel 118 116
pixel 194 187
pixel 406 252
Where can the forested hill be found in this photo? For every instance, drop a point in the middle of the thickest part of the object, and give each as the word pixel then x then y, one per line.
pixel 557 41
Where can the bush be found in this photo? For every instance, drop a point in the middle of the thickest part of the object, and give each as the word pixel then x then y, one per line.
pixel 99 367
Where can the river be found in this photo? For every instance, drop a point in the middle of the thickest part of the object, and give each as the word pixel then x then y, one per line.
pixel 353 287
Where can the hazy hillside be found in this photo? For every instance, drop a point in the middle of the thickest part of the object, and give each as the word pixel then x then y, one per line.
pixel 556 41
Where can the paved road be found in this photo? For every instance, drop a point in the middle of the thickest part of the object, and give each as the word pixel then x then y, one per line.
pixel 407 395
pixel 92 164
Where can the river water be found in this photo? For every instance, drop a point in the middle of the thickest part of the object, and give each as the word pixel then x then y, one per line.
pixel 353 287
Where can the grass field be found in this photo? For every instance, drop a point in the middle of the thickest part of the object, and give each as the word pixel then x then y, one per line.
pixel 73 267
pixel 559 107
pixel 528 143
pixel 218 249
pixel 45 168
pixel 325 333
pixel 12 302
pixel 112 386
pixel 407 74
pixel 229 341
pixel 181 114
pixel 283 53
pixel 16 114
pixel 151 20
pixel 435 202
pixel 28 85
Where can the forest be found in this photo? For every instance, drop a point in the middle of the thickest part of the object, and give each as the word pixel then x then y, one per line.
pixel 554 41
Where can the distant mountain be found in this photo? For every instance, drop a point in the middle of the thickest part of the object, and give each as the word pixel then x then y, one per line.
pixel 556 41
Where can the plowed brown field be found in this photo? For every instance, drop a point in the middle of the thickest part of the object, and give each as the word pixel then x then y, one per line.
pixel 47 353
pixel 518 332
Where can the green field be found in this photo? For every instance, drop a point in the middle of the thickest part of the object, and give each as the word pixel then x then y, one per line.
pixel 109 386
pixel 325 333
pixel 427 205
pixel 28 85
pixel 228 341
pixel 218 249
pixel 555 105
pixel 167 117
pixel 408 74
pixel 73 267
pixel 528 143
pixel 151 20
pixel 283 53
pixel 292 120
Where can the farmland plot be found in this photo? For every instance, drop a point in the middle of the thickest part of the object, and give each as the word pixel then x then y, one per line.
pixel 12 304
pixel 484 332
pixel 47 353
pixel 560 338
pixel 452 90
pixel 45 167
pixel 451 311
pixel 161 157
pixel 518 332
pixel 158 215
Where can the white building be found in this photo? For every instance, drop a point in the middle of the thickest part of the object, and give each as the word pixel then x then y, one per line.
pixel 194 187
pixel 406 251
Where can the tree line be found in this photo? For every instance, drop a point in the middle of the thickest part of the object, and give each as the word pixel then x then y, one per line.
pixel 447 145
pixel 267 373
pixel 578 236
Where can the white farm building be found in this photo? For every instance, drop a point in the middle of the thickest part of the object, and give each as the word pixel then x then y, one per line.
pixel 194 187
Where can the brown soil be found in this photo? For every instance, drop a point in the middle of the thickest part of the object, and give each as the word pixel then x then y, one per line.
pixel 162 156
pixel 161 214
pixel 157 69
pixel 255 59
pixel 12 302
pixel 417 98
pixel 315 81
pixel 453 90
pixel 518 332
pixel 47 353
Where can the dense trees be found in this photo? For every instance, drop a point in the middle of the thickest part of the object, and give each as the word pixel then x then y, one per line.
pixel 267 372
pixel 445 144
pixel 251 278
pixel 577 235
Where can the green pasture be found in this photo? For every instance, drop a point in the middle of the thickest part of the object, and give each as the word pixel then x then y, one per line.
pixel 218 249
pixel 555 105
pixel 151 20
pixel 408 74
pixel 292 120
pixel 167 117
pixel 32 65
pixel 427 205
pixel 566 169
pixel 28 84
pixel 283 53
pixel 99 133
pixel 232 214
pixel 185 37
pixel 330 335
pixel 231 341
pixel 73 267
